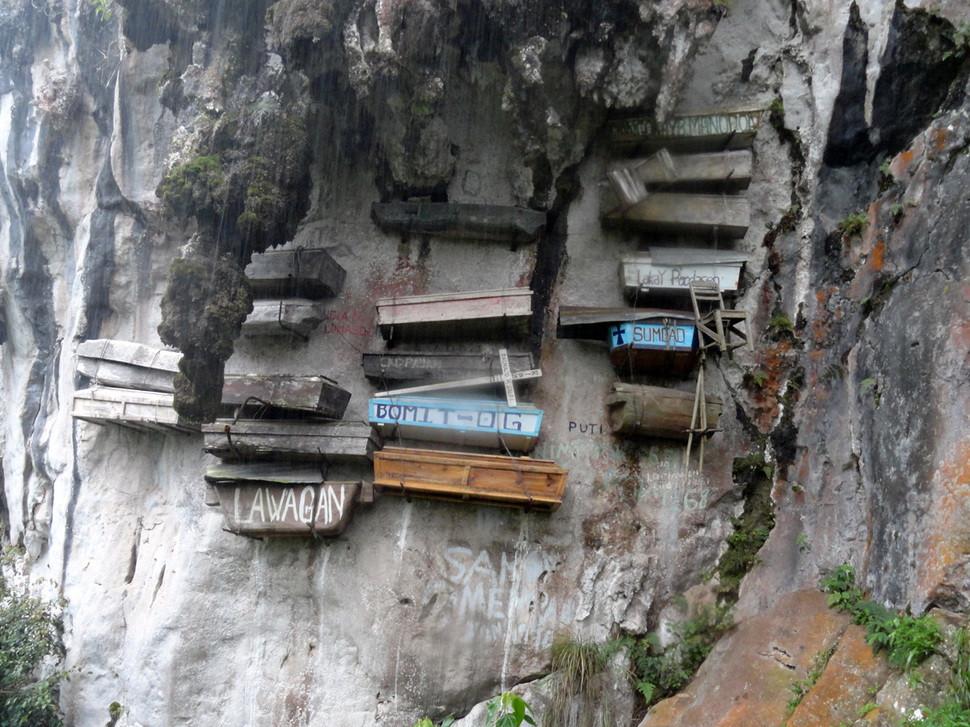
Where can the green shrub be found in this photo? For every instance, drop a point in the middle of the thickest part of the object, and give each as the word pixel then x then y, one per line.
pixel 853 224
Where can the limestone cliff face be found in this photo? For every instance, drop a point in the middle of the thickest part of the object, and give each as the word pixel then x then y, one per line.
pixel 207 132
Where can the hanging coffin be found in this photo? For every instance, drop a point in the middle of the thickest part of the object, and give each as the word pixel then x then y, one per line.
pixel 297 273
pixel 713 131
pixel 316 395
pixel 533 484
pixel 142 410
pixel 447 316
pixel 665 271
pixel 437 366
pixel 726 171
pixel 661 346
pixel 655 411
pixel 272 500
pixel 473 221
pixel 290 439
pixel 681 213
pixel 457 421
pixel 127 365
pixel 290 317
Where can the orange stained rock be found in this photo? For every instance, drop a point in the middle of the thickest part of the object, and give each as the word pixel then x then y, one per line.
pixel 949 520
pixel 845 686
pixel 747 679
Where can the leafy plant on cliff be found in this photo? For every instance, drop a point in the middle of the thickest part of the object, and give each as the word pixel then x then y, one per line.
pixel 508 710
pixel 577 664
pixel 30 639
pixel 854 224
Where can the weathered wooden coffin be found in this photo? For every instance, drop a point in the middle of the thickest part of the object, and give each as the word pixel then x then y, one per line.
pixel 534 484
pixel 299 273
pixel 457 421
pixel 715 130
pixel 290 439
pixel 662 270
pixel 286 317
pixel 595 323
pixel 314 394
pixel 728 171
pixel 143 410
pixel 476 221
pixel 437 366
pixel 456 315
pixel 272 500
pixel 727 215
pixel 654 411
pixel 660 346
pixel 127 365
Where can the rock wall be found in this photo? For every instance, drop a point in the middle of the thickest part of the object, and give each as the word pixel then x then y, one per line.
pixel 309 112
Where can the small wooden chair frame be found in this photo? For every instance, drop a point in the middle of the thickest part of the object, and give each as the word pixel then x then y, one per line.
pixel 718 325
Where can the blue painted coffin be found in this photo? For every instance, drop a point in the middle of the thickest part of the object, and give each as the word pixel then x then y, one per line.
pixel 457 421
pixel 661 347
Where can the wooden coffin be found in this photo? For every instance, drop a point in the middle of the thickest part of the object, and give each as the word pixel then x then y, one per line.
pixel 437 366
pixel 456 315
pixel 290 439
pixel 457 421
pixel 654 411
pixel 595 323
pixel 313 394
pixel 127 365
pixel 668 347
pixel 728 216
pixel 715 130
pixel 272 500
pixel 534 484
pixel 475 221
pixel 142 410
pixel 299 273
pixel 288 317
pixel 726 171
pixel 665 271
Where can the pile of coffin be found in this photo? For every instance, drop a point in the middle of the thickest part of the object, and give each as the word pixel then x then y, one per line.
pixel 440 408
pixel 287 285
pixel 290 465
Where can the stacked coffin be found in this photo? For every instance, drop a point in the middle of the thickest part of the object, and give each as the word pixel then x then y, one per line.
pixel 447 408
pixel 290 465
pixel 287 285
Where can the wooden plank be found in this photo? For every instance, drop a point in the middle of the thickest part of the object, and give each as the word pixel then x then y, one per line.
pixel 315 394
pixel 725 171
pixel 437 366
pixel 299 273
pixel 670 271
pixel 594 323
pixel 668 347
pixel 450 315
pixel 462 221
pixel 286 439
pixel 259 509
pixel 715 130
pixel 473 478
pixel 125 376
pixel 138 409
pixel 654 411
pixel 673 212
pixel 457 421
pixel 135 354
pixel 289 317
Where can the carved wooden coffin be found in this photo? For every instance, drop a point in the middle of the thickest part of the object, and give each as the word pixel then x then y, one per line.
pixel 726 171
pixel 728 216
pixel 273 500
pixel 437 366
pixel 288 317
pixel 595 323
pixel 457 421
pixel 654 411
pixel 314 394
pixel 715 130
pixel 661 346
pixel 299 273
pixel 290 439
pixel 127 365
pixel 456 315
pixel 534 484
pixel 476 221
pixel 664 270
pixel 142 410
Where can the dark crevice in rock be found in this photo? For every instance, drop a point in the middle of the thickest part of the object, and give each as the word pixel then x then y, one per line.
pixel 848 134
pixel 4 509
